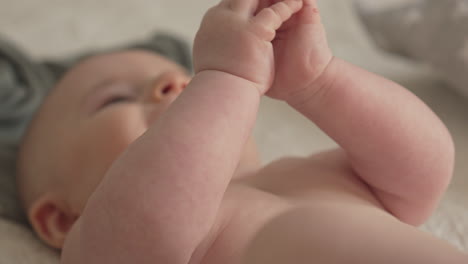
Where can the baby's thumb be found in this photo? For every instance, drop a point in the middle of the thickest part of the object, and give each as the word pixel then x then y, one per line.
pixel 271 18
pixel 310 12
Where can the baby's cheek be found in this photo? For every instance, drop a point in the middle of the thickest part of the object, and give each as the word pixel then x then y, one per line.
pixel 100 144
pixel 114 132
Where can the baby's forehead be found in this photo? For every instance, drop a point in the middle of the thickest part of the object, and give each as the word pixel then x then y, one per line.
pixel 117 62
pixel 122 65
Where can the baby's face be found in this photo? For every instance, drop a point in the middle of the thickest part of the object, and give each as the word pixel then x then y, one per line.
pixel 104 104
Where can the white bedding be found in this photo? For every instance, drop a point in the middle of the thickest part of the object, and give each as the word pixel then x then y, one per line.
pixel 18 245
pixel 450 221
pixel 80 24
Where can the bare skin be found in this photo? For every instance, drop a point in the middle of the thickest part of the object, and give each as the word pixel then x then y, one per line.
pixel 182 192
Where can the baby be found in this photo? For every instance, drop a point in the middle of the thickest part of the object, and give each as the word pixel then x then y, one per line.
pixel 145 165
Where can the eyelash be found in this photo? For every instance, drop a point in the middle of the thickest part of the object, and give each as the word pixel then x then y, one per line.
pixel 116 99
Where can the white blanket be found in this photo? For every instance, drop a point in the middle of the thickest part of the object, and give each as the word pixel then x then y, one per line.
pixel 450 222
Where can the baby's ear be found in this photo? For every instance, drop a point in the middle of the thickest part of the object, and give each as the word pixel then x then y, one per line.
pixel 51 219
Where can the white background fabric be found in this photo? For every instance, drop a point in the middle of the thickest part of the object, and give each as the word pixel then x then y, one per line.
pixel 431 31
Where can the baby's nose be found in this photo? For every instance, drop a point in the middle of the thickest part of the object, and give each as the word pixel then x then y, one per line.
pixel 167 86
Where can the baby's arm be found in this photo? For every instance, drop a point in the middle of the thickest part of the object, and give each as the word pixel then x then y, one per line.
pixel 394 142
pixel 160 199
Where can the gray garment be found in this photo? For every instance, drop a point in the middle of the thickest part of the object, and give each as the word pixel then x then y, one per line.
pixel 430 31
pixel 24 83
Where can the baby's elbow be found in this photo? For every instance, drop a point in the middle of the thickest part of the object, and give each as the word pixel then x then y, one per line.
pixel 440 166
pixel 414 214
pixel 450 156
pixel 431 183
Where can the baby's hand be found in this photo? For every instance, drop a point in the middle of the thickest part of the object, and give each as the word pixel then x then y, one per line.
pixel 235 37
pixel 301 52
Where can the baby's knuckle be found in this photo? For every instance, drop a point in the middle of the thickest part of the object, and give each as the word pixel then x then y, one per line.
pixel 263 32
pixel 275 11
pixel 269 13
pixel 281 9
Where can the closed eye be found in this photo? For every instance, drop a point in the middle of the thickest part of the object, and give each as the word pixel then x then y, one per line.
pixel 119 93
pixel 118 99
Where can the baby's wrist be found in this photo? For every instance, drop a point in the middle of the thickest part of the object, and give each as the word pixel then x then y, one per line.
pixel 318 86
pixel 228 80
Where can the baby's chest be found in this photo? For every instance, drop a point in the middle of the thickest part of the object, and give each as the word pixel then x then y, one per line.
pixel 250 203
pixel 319 178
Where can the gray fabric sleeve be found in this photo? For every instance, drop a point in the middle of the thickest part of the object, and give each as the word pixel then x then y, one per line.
pixel 23 85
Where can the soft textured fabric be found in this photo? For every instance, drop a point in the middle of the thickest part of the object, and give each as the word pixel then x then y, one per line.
pixel 23 84
pixel 19 245
pixel 9 204
pixel 431 31
pixel 449 221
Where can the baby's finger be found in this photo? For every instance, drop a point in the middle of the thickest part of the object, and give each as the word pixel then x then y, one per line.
pixel 246 7
pixel 271 18
pixel 310 12
pixel 311 3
